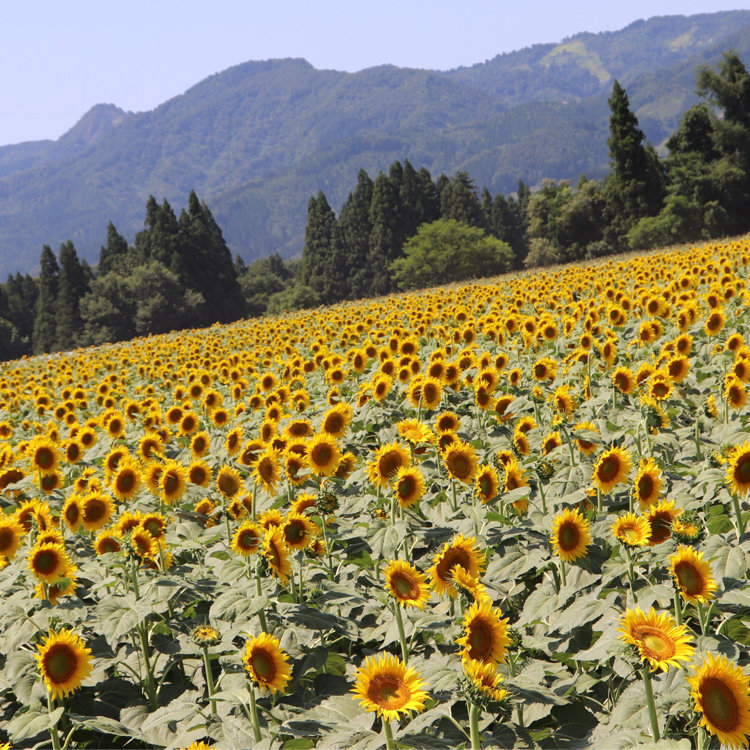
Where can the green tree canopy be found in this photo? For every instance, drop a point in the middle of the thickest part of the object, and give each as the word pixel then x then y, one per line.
pixel 448 250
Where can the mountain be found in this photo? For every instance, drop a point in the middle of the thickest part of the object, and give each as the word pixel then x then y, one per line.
pixel 256 140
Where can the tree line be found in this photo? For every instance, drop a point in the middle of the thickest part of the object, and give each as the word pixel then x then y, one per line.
pixel 400 230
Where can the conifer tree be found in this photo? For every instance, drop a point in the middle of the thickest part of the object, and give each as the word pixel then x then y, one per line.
pixel 45 325
pixel 385 236
pixel 114 254
pixel 72 285
pixel 355 227
pixel 318 247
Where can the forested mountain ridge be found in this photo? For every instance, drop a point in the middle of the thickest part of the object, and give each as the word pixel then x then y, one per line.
pixel 258 139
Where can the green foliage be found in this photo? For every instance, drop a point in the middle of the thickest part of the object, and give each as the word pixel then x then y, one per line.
pixel 46 308
pixel 447 250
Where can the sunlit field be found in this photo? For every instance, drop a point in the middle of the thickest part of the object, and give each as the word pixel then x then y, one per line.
pixel 505 514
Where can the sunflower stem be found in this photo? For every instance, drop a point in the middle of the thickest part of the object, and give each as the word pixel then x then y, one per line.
pixel 631 573
pixel 569 444
pixel 677 607
pixel 738 515
pixel 702 738
pixel 650 703
pixel 259 592
pixel 389 742
pixel 209 680
pixel 562 574
pixel 476 741
pixel 53 730
pixel 150 687
pixel 401 633
pixel 229 531
pixel 454 503
pixel 254 714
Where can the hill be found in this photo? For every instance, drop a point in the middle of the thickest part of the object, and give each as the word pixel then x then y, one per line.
pixel 259 138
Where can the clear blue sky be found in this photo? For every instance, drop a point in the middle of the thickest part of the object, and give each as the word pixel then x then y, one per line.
pixel 60 57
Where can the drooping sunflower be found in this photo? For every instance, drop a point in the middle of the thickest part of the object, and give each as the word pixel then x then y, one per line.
pixel 388 459
pixel 267 663
pixel 407 585
pixel 461 551
pixel 738 470
pixel 551 441
pixel 461 462
pixel 48 561
pixel 659 640
pixel 692 575
pixel 612 467
pixel 295 467
pixel 721 692
pixel 648 483
pixel 276 553
pixel 485 637
pixel 632 530
pixel 485 678
pixel 66 585
pixel 64 662
pixel 387 686
pixel 11 534
pixel 409 486
pixel 247 539
pixel 514 477
pixel 323 454
pixel 570 535
pixel 661 517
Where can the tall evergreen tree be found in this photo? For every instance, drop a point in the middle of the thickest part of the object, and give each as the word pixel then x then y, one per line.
pixel 45 324
pixel 355 226
pixel 386 235
pixel 113 255
pixel 72 285
pixel 459 201
pixel 318 247
pixel 22 292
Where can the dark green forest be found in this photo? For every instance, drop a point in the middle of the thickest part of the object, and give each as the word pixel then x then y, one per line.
pixel 401 229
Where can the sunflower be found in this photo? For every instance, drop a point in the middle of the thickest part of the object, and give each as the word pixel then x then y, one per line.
pixel 461 461
pixel 44 455
pixel 447 421
pixel 485 637
pixel 570 535
pixel 299 531
pixel 387 686
pixel 126 479
pixel 486 483
pixel 721 692
pixel 660 386
pixel 271 517
pixel 514 477
pixel 96 510
pixel 276 552
pixel 485 679
pixel 406 584
pixel 585 445
pixel 48 561
pixel 648 483
pixel 267 663
pixel 155 524
pixel 431 393
pixel 64 586
pixel 738 471
pixel 247 538
pixel 200 444
pixel 389 458
pixel 143 544
pixel 172 482
pixel 624 380
pixel 336 420
pixel 323 454
pixel 563 401
pixel 735 392
pixel 659 640
pixel 661 517
pixel 199 473
pixel 468 584
pixel 295 467
pixel 415 432
pixel 64 662
pixel 11 534
pixel 611 468
pixel 106 542
pixel 692 575
pixel 459 551
pixel 409 486
pixel 632 530
pixel 552 441
pixel 267 470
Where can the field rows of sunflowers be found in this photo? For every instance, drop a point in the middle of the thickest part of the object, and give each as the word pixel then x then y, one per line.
pixel 507 514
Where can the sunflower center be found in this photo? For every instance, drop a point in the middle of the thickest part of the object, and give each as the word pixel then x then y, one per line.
pixel 6 539
pixel 295 532
pixel 126 481
pixel 609 468
pixel 719 704
pixel 72 514
pixel 485 484
pixel 248 540
pixel 334 423
pixel 480 641
pixel 60 664
pixel 404 586
pixel 46 562
pixel 263 665
pixel 170 482
pixel 388 691
pixel 45 458
pixel 460 465
pixel 511 481
pixel 655 643
pixel 406 487
pixel 645 486
pixel 568 537
pixel 94 510
pixel 322 455
pixel 689 577
pixel 742 472
pixel 450 560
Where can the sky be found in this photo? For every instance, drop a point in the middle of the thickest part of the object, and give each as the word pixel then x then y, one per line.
pixel 61 58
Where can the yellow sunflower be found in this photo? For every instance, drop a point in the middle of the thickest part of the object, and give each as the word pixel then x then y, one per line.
pixel 585 445
pixel 199 473
pixel 267 470
pixel 299 531
pixel 323 454
pixel 126 479
pixel 661 517
pixel 632 530
pixel 459 551
pixel 276 553
pixel 570 535
pixel 96 510
pixel 612 467
pixel 44 455
pixel 11 534
pixel 692 575
pixel 486 483
pixel 64 662
pixel 336 420
pixel 267 663
pixel 738 471
pixel 461 461
pixel 247 539
pixel 228 481
pixel 721 692
pixel 485 637
pixel 389 458
pixel 48 561
pixel 648 483
pixel 172 482
pixel 409 486
pixel 387 686
pixel 406 584
pixel 485 678
pixel 106 542
pixel 659 640
pixel 624 380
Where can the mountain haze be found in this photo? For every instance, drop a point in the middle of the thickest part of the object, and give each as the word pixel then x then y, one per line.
pixel 256 140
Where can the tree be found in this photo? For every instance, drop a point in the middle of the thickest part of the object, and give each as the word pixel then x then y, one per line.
pixel 355 226
pixel 316 254
pixel 386 235
pixel 72 285
pixel 22 293
pixel 115 252
pixel 459 201
pixel 447 250
pixel 45 324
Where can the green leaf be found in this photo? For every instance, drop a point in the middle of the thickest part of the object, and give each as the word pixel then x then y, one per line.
pixel 32 722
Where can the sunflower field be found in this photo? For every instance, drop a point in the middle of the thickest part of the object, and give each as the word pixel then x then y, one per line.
pixel 506 514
